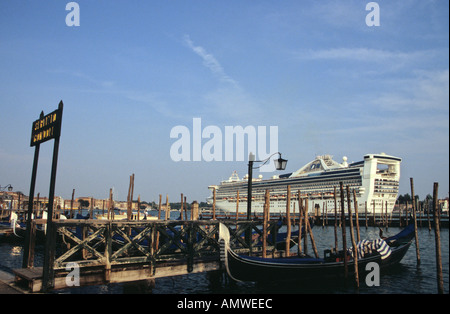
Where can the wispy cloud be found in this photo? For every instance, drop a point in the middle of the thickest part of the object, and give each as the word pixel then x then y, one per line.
pixel 413 108
pixel 426 91
pixel 209 61
pixel 365 55
pixel 229 100
pixel 337 13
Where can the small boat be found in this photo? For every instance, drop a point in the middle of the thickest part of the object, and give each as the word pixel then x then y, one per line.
pixel 306 268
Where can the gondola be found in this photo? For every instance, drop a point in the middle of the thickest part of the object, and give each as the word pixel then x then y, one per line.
pixel 307 269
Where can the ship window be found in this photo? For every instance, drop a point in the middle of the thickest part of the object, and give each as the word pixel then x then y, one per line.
pixel 382 168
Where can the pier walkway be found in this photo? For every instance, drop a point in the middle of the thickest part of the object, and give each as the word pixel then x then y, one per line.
pixel 7 284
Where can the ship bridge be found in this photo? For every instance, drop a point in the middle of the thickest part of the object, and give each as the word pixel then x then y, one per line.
pixel 319 164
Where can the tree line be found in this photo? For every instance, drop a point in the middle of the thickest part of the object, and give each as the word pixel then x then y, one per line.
pixel 406 198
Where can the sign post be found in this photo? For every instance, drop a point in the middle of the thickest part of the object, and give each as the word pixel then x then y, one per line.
pixel 45 128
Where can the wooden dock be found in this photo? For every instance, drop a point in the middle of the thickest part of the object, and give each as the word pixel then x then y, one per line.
pixel 32 278
pixel 105 251
pixel 4 230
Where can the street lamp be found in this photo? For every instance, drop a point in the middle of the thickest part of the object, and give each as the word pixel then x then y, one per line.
pixel 280 164
pixel 3 188
pixel 9 187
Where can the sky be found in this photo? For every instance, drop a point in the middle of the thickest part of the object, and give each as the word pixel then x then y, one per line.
pixel 134 71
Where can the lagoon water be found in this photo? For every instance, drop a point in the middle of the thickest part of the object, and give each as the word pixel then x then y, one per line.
pixel 406 278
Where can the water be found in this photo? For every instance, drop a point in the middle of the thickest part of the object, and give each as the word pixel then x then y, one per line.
pixel 407 278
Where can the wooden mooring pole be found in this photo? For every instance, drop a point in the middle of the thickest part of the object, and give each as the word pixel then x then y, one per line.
pixel 265 219
pixel 415 221
pixel 300 224
pixel 91 209
pixel 214 204
pixel 335 222
pixel 374 217
pixel 386 214
pixel 156 244
pixel 237 205
pixel 305 217
pixel 311 235
pixel 355 201
pixel 323 214
pixel 159 206
pixel 111 205
pixel 365 209
pixel 428 215
pixel 167 217
pixel 71 204
pixel 181 207
pixel 288 220
pixel 28 239
pixel 186 210
pixel 437 237
pixel 406 214
pixel 344 236
pixel 352 235
pixel 138 207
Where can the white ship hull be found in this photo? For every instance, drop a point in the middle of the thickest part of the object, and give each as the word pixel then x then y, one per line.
pixel 375 181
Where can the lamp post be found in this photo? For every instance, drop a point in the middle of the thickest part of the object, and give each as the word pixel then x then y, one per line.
pixel 3 188
pixel 9 187
pixel 280 164
pixel 251 160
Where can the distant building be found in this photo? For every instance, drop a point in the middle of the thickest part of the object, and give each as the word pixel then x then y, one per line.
pixel 12 200
pixel 443 205
pixel 18 200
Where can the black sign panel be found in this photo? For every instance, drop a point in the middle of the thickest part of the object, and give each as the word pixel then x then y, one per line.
pixel 46 128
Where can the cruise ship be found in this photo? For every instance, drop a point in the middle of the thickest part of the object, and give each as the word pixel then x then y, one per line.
pixel 375 180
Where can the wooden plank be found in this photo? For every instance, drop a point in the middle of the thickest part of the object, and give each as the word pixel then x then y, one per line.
pixel 95 276
pixel 31 277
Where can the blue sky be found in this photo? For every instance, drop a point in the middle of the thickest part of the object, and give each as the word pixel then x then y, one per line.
pixel 133 70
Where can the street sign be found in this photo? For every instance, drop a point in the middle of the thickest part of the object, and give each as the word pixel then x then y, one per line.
pixel 46 128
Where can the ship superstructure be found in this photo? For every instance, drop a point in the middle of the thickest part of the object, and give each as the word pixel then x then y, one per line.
pixel 375 180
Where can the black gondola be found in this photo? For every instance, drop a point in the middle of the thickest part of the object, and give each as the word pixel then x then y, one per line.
pixel 306 269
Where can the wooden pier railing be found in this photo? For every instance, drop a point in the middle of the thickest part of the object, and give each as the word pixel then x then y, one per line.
pixel 122 251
